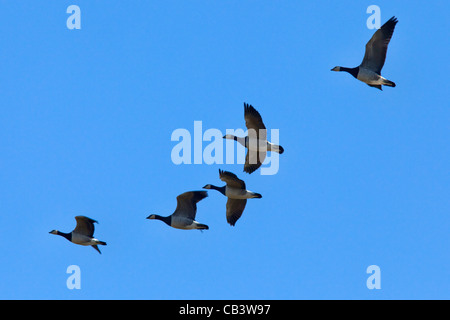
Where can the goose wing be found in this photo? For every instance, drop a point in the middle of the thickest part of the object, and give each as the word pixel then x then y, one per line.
pixel 187 203
pixel 257 133
pixel 253 160
pixel 235 208
pixel 85 226
pixel 377 46
pixel 254 123
pixel 231 180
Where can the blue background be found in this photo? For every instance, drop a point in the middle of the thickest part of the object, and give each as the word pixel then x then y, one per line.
pixel 86 118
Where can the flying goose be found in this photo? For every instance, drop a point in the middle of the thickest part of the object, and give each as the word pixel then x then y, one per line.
pixel 369 71
pixel 83 234
pixel 184 215
pixel 236 193
pixel 256 140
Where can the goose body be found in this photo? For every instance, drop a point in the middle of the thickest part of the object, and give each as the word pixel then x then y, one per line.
pixel 237 194
pixel 369 71
pixel 256 145
pixel 83 234
pixel 370 77
pixel 84 240
pixel 184 215
pixel 256 141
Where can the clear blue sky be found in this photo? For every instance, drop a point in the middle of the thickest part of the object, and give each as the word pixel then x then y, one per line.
pixel 85 127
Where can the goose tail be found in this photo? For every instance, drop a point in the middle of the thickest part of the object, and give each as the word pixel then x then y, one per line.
pixel 276 148
pixel 389 83
pixel 202 226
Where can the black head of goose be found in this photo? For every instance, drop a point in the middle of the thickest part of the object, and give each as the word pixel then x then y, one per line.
pixel 184 215
pixel 369 71
pixel 256 140
pixel 83 234
pixel 237 194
